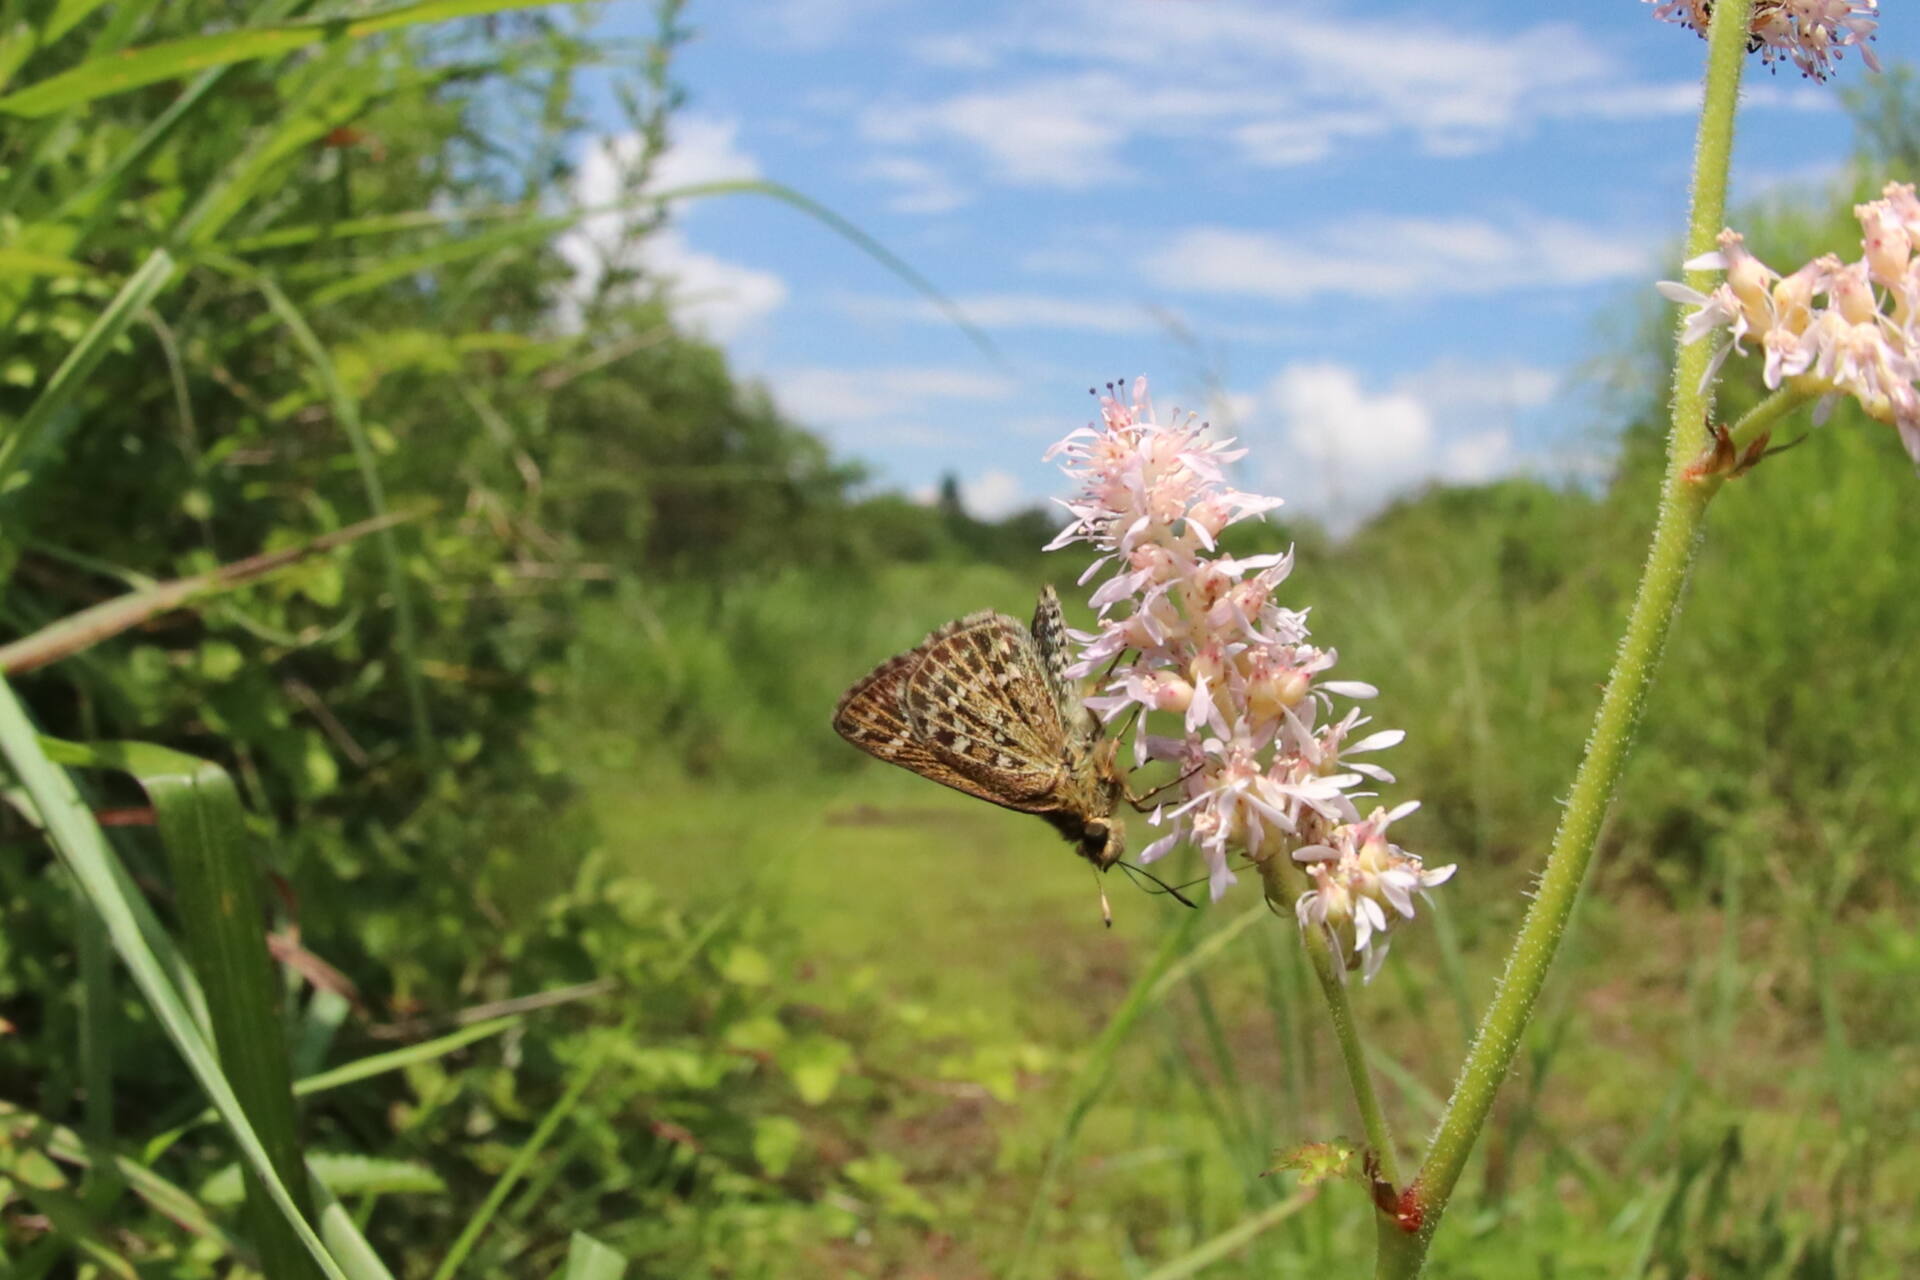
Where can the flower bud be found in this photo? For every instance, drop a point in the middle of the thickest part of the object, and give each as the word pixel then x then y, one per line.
pixel 1885 241
pixel 1748 277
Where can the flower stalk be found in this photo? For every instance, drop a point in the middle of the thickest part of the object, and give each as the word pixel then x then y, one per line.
pixel 1682 504
pixel 1284 884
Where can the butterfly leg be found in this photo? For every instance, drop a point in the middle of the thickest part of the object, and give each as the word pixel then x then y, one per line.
pixel 1140 802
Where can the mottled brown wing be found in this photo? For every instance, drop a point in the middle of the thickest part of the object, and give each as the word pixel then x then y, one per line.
pixel 980 700
pixel 1050 639
pixel 873 717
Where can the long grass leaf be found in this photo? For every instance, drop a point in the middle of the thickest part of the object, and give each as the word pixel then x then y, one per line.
pixel 125 69
pixel 516 1169
pixel 1093 1074
pixel 343 1238
pixel 1234 1237
pixel 89 201
pixel 346 411
pixel 77 838
pixel 379 1064
pixel 88 627
pixel 65 1145
pixel 343 1173
pixel 99 1009
pixel 215 882
pixel 140 289
pixel 67 15
pixel 861 239
pixel 401 266
pixel 387 224
pixel 24 262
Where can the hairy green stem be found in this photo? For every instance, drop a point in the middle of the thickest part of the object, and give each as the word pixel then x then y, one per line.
pixel 1682 502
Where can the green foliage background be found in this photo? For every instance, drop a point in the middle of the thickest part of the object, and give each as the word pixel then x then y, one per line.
pixel 564 730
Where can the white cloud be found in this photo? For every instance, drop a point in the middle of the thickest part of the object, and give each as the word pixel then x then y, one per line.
pixel 955 52
pixel 1332 421
pixel 1477 458
pixel 993 494
pixel 1339 449
pixel 826 396
pixel 1038 134
pixel 990 495
pixel 807 25
pixel 703 149
pixel 923 188
pixel 1374 256
pixel 1280 89
pixel 1462 386
pixel 1004 311
pixel 707 293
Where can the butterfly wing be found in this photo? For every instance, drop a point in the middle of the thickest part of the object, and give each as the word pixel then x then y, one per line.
pixel 1056 655
pixel 873 717
pixel 979 699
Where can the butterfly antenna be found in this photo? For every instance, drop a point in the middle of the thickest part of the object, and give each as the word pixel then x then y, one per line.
pixel 1139 873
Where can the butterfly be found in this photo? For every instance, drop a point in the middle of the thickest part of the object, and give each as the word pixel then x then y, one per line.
pixel 984 705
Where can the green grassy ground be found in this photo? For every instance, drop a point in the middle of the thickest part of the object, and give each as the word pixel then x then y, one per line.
pixel 1677 1061
pixel 1721 1078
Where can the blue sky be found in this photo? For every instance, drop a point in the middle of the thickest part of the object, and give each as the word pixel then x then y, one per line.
pixel 1377 245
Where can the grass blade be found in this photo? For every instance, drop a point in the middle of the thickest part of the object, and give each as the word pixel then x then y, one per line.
pixel 376 1065
pixel 125 69
pixel 346 411
pixel 202 827
pixel 140 289
pixel 88 627
pixel 516 1169
pixel 1210 1252
pixel 64 1144
pixel 342 1236
pixel 82 847
pixel 1140 997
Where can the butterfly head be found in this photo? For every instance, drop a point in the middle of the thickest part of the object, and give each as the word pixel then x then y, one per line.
pixel 1103 842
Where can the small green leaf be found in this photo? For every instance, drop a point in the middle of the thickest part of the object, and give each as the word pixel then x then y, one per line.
pixel 323 582
pixel 219 660
pixel 321 770
pixel 776 1141
pixel 1316 1162
pixel 22 262
pixel 747 966
pixel 814 1063
pixel 761 1033
pixel 588 1259
pixel 883 1178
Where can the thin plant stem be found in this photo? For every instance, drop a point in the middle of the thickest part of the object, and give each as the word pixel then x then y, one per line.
pixel 1682 504
pixel 1373 1117
pixel 1284 884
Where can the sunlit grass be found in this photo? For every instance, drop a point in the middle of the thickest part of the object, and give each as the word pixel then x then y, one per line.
pixel 1675 1061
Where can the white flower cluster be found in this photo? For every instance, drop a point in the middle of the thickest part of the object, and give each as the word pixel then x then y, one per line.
pixel 1853 328
pixel 1812 34
pixel 1266 769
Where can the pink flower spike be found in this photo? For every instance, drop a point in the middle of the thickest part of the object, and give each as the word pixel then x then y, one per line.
pixel 1196 645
